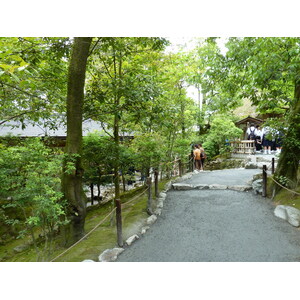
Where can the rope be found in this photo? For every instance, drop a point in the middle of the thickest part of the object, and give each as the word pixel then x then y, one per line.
pixel 83 236
pixel 126 203
pixel 285 187
pixel 281 184
pixel 101 222
pixel 98 225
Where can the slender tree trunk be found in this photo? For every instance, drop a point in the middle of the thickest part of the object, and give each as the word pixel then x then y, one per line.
pixel 99 191
pixel 92 193
pixel 117 154
pixel 123 181
pixel 72 181
pixel 288 163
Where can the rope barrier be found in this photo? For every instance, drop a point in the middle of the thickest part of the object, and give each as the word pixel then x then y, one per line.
pixel 126 203
pixel 105 218
pixel 84 236
pixel 281 184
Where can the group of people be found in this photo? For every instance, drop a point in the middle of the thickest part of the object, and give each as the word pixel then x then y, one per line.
pixel 266 139
pixel 199 157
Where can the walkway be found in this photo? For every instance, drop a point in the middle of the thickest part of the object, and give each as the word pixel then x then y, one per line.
pixel 216 225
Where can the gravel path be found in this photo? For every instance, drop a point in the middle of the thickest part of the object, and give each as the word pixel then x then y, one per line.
pixel 216 225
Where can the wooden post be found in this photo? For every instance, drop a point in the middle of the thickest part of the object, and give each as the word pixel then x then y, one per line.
pixel 264 191
pixel 149 202
pixel 180 167
pixel 156 182
pixel 192 161
pixel 92 193
pixel 119 222
pixel 273 165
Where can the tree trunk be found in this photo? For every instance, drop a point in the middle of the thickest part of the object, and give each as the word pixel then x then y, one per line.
pixel 92 193
pixel 288 163
pixel 99 191
pixel 72 181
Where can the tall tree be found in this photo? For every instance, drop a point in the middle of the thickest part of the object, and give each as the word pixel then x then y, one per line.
pixel 33 79
pixel 72 177
pixel 267 72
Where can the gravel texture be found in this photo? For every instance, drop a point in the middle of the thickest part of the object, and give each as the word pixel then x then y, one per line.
pixel 216 225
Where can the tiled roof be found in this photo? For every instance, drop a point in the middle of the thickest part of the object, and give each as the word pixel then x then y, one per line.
pixel 15 129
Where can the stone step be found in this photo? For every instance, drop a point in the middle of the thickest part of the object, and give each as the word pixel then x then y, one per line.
pixel 185 186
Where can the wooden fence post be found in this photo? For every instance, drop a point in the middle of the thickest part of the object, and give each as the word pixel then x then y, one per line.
pixel 156 182
pixel 264 190
pixel 273 165
pixel 119 222
pixel 180 167
pixel 192 161
pixel 149 202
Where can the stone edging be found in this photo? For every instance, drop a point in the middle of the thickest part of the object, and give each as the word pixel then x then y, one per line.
pixel 112 254
pixel 185 186
pixel 289 214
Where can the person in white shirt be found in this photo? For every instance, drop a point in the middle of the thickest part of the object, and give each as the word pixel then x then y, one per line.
pixel 258 138
pixel 251 132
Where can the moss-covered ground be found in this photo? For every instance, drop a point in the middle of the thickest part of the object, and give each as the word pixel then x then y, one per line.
pixel 134 215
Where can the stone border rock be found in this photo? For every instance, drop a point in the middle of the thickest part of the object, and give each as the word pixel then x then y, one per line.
pixel 110 254
pixel 289 214
pixel 185 186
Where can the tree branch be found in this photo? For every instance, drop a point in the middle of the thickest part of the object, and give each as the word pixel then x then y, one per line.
pixel 16 116
pixel 20 90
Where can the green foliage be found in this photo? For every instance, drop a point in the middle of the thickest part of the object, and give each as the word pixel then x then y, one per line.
pixel 33 78
pixel 98 157
pixel 283 180
pixel 149 150
pixel 182 148
pixel 266 69
pixel 222 130
pixel 30 178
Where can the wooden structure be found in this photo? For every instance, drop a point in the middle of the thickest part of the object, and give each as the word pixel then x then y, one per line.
pixel 245 123
pixel 243 147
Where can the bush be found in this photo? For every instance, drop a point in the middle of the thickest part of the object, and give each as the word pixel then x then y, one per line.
pixel 222 130
pixel 30 183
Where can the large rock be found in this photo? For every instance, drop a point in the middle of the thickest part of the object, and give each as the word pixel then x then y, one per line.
pixel 293 216
pixel 131 239
pixel 162 195
pixel 251 165
pixel 88 260
pixel 110 254
pixel 240 188
pixel 157 211
pixel 217 187
pixel 202 186
pixel 168 186
pixel 257 186
pixel 288 213
pixel 151 219
pixel 182 186
pixel 160 203
pixel 257 176
pixel 280 212
pixel 144 229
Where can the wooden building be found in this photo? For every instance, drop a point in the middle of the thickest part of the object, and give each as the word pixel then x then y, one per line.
pixel 245 123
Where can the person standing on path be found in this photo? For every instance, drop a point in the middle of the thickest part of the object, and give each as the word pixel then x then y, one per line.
pixel 197 157
pixel 202 156
pixel 258 139
pixel 251 132
pixel 266 140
